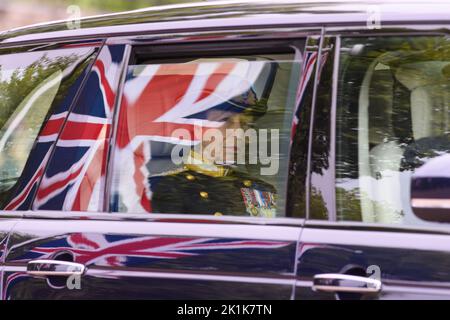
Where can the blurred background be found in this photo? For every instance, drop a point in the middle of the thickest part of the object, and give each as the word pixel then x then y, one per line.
pixel 17 13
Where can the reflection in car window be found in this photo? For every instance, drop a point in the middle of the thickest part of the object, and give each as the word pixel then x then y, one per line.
pixel 30 84
pixel 393 115
pixel 206 136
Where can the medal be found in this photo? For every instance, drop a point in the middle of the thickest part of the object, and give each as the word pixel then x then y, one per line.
pixel 259 203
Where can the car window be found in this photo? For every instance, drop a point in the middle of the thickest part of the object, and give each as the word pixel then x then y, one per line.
pixel 393 115
pixel 32 86
pixel 206 136
pixel 74 179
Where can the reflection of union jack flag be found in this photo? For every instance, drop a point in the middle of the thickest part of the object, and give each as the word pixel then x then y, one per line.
pixel 74 179
pixel 34 168
pixel 116 250
pixel 119 251
pixel 2 248
pixel 159 100
pixel 11 280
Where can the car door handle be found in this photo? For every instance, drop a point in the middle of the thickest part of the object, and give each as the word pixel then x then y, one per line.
pixel 55 268
pixel 336 282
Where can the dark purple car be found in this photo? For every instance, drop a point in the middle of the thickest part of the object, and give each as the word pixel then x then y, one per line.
pixel 228 150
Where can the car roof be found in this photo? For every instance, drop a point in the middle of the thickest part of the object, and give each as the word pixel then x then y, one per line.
pixel 219 15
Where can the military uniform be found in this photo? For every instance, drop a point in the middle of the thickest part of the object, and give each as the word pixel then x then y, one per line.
pixel 223 191
pixel 202 187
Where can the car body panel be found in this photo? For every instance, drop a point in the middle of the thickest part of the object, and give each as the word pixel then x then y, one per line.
pixel 207 16
pixel 412 263
pixel 205 258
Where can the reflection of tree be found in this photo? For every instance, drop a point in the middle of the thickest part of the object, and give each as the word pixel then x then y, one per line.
pixel 299 151
pixel 322 119
pixel 350 204
pixel 318 210
pixel 389 114
pixel 420 151
pixel 21 82
pixel 350 208
pixel 320 143
pixel 321 132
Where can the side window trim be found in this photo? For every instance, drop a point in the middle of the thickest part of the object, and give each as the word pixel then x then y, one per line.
pixel 335 80
pixel 115 124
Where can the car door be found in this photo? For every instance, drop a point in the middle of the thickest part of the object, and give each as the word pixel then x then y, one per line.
pixel 381 113
pixel 189 232
pixel 37 86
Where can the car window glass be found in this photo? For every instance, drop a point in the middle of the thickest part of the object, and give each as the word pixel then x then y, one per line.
pixel 393 115
pixel 205 136
pixel 30 84
pixel 75 177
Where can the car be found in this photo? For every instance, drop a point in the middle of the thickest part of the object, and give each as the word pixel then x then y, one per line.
pixel 228 150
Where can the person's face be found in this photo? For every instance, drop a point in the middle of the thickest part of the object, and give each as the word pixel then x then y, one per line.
pixel 230 138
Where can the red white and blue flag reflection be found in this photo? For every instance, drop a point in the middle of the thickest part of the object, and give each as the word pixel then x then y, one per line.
pixel 34 169
pixel 162 98
pixel 75 177
pixel 93 249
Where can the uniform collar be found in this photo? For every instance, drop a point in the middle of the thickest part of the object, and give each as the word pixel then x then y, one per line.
pixel 197 163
